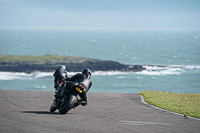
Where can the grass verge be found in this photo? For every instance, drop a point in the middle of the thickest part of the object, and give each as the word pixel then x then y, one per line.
pixel 186 104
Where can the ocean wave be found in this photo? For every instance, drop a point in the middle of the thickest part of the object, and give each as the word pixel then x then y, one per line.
pixel 40 75
pixel 156 67
pixel 27 76
pixel 109 73
pixel 150 70
pixel 186 67
pixel 166 70
pixel 24 76
pixel 163 72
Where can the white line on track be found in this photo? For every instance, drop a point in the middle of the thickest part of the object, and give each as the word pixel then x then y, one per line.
pixel 142 123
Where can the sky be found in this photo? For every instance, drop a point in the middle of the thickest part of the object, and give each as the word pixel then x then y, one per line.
pixel 101 14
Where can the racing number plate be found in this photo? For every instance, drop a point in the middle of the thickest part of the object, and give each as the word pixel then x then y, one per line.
pixel 79 90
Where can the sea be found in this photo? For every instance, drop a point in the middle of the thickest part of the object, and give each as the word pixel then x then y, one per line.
pixel 178 52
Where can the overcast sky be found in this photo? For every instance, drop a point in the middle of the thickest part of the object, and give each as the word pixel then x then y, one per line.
pixel 101 14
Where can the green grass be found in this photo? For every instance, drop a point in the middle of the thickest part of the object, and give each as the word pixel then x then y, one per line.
pixel 186 104
pixel 31 58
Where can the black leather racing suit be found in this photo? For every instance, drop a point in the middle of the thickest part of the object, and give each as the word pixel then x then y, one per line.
pixel 60 75
pixel 83 80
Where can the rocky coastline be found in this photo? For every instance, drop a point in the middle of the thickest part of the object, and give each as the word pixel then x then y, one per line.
pixel 72 64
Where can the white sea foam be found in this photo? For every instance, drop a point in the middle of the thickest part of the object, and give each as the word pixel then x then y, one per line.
pixel 39 75
pixel 186 67
pixel 108 73
pixel 163 70
pixel 150 70
pixel 25 76
pixel 121 77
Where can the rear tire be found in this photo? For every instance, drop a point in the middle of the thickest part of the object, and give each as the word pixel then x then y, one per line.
pixel 68 105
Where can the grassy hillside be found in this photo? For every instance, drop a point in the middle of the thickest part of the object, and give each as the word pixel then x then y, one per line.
pixel 47 63
pixel 35 58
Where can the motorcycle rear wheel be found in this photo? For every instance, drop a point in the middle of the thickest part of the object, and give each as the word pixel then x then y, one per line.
pixel 68 105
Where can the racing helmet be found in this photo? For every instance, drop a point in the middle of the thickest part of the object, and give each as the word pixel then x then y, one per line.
pixel 64 67
pixel 87 72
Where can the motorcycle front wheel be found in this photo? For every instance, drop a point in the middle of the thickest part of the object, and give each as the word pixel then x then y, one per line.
pixel 68 105
pixel 52 109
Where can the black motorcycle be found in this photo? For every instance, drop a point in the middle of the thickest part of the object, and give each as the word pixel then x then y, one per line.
pixel 70 98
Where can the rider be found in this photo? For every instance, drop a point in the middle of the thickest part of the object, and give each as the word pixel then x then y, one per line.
pixel 59 76
pixel 85 82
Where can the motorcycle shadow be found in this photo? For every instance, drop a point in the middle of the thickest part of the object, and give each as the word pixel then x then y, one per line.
pixel 43 112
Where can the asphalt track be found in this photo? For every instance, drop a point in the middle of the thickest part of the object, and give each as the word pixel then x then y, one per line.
pixel 28 111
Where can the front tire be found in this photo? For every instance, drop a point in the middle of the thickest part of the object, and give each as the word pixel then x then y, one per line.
pixel 68 105
pixel 52 109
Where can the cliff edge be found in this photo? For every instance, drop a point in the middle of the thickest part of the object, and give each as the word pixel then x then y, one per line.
pixel 49 63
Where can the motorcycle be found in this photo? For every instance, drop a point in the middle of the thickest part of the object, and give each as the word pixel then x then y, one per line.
pixel 70 98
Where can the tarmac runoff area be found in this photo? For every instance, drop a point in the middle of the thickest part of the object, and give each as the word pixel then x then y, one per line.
pixel 28 112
